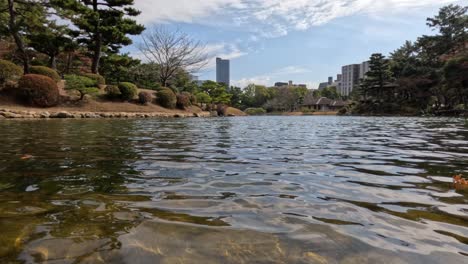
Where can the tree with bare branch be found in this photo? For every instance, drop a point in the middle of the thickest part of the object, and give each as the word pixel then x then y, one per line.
pixel 173 51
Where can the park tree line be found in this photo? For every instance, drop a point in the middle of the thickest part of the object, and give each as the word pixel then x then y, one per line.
pixel 80 41
pixel 427 76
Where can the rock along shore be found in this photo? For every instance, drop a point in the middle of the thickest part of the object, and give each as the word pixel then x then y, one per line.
pixel 18 114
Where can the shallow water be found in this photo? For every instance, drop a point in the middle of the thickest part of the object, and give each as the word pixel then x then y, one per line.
pixel 234 190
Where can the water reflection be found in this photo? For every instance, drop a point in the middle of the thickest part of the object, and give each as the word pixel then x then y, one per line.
pixel 267 189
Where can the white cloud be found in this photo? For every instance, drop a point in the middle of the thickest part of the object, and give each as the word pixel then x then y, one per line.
pixel 269 18
pixel 222 50
pixel 267 79
pixel 154 11
pixel 258 80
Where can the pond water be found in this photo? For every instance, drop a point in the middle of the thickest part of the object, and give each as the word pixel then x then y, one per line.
pixel 234 190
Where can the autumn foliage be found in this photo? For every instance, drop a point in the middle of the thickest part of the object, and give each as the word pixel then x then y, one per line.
pixel 39 90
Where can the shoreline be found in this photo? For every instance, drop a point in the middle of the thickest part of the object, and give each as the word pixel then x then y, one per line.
pixel 6 113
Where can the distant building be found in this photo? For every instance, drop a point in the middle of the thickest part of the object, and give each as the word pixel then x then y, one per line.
pixel 323 85
pixel 365 67
pixel 338 77
pixel 223 71
pixel 349 78
pixel 289 84
pixel 326 84
pixel 337 83
pixel 324 104
pixel 281 84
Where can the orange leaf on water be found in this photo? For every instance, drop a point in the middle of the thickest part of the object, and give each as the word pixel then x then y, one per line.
pixel 26 157
pixel 460 183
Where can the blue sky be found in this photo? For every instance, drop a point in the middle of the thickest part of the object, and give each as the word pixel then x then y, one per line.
pixel 301 40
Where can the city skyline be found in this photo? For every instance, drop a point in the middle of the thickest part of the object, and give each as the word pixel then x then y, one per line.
pixel 304 40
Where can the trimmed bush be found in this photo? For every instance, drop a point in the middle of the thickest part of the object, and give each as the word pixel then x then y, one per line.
pixel 81 84
pixel 128 91
pixel 203 98
pixel 166 98
pixel 144 98
pixel 9 72
pixel 99 79
pixel 112 92
pixel 39 90
pixel 255 111
pixel 46 71
pixel 183 100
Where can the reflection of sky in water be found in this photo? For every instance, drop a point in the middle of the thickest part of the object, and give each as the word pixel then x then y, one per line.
pixel 373 187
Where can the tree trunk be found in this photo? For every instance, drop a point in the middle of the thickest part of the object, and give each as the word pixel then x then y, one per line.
pixel 53 62
pixel 15 33
pixel 69 62
pixel 163 81
pixel 96 53
pixel 97 42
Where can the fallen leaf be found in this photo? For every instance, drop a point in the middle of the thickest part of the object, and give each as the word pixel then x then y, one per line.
pixel 460 183
pixel 26 157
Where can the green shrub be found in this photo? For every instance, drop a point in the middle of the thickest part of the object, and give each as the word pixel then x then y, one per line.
pixel 305 109
pixel 81 84
pixel 46 71
pixel 144 98
pixel 9 72
pixel 183 100
pixel 39 90
pixel 112 92
pixel 128 91
pixel 203 98
pixel 166 98
pixel 99 79
pixel 255 111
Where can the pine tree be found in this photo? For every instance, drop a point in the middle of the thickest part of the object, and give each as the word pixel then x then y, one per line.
pixel 452 23
pixel 17 20
pixel 52 41
pixel 103 24
pixel 378 77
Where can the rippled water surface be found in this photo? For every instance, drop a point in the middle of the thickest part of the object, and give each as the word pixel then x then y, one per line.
pixel 234 190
